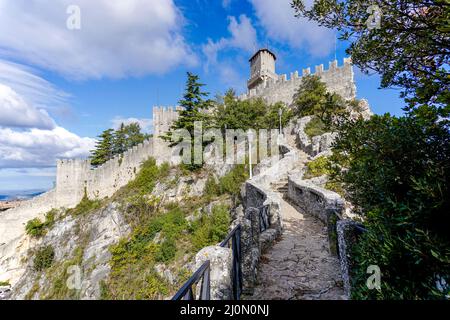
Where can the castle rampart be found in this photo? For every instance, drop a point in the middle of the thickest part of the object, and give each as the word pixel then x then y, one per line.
pixel 337 79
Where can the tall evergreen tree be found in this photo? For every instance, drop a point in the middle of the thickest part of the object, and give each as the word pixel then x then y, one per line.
pixel 134 136
pixel 195 108
pixel 120 140
pixel 104 148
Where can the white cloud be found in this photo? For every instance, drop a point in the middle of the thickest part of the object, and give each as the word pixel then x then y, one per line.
pixel 242 36
pixel 117 38
pixel 16 112
pixel 280 25
pixel 36 90
pixel 146 124
pixel 40 148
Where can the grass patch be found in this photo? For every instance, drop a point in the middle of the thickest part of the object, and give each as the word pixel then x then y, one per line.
pixel 315 127
pixel 43 258
pixel 85 206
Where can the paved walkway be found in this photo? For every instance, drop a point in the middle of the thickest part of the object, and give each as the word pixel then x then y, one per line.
pixel 299 266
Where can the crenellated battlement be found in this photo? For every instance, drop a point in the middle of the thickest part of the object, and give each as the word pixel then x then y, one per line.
pixel 339 79
pixel 163 117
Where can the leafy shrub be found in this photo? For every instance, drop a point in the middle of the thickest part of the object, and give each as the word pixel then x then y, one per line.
pixel 318 167
pixel 211 229
pixel 85 206
pixel 315 127
pixel 35 228
pixel 148 175
pixel 43 258
pixel 211 187
pixel 397 175
pixel 232 181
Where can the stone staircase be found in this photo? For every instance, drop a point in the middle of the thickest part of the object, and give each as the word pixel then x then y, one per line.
pixel 299 266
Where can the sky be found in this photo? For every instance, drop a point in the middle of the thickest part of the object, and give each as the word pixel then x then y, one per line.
pixel 61 86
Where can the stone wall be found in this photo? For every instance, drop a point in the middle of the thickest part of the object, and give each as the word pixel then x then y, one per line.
pixel 315 145
pixel 337 79
pixel 313 199
pixel 76 177
pixel 163 117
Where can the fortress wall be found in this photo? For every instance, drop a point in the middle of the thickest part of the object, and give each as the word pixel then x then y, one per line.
pixel 163 119
pixel 71 180
pixel 338 79
pixel 104 181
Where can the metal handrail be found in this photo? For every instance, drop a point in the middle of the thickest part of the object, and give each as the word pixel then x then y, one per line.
pixel 264 222
pixel 187 293
pixel 233 240
pixel 236 272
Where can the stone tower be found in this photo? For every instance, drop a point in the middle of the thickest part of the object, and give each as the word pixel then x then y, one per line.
pixel 262 68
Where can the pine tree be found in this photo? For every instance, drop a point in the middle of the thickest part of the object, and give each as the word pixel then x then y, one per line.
pixel 120 140
pixel 194 109
pixel 194 106
pixel 104 148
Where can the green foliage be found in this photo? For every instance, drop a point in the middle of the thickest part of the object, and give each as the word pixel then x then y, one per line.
pixel 211 229
pixel 4 283
pixel 318 167
pixel 315 127
pixel 103 149
pixel 397 175
pixel 43 258
pixel 408 50
pixel 249 114
pixel 194 109
pixel 313 99
pixel 231 182
pixel 211 187
pixel 113 142
pixel 36 228
pixel 147 177
pixel 167 238
pixel 85 207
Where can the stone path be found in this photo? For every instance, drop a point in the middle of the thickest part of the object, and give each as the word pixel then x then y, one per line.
pixel 299 266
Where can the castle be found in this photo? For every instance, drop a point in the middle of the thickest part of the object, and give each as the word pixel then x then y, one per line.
pixel 76 178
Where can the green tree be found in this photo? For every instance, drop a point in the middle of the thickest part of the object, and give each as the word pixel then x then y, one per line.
pixel 313 99
pixel 195 108
pixel 120 140
pixel 410 48
pixel 396 173
pixel 104 148
pixel 396 170
pixel 134 135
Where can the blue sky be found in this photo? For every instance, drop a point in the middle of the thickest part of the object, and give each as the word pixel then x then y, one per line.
pixel 60 88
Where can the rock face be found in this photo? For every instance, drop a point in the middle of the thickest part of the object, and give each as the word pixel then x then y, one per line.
pixel 88 238
pixel 315 145
pixel 220 270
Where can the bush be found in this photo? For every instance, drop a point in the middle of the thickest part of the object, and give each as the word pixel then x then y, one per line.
pixel 85 206
pixel 211 229
pixel 397 175
pixel 44 258
pixel 315 127
pixel 232 181
pixel 35 228
pixel 318 167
